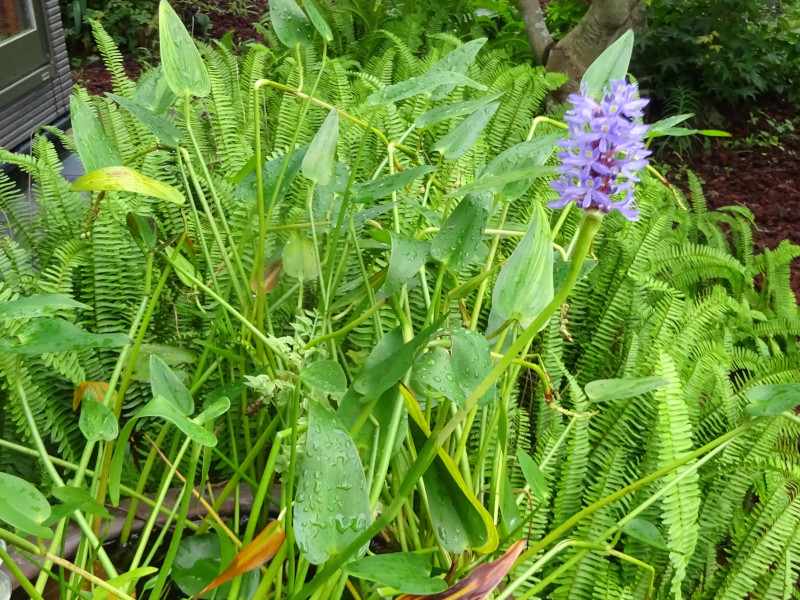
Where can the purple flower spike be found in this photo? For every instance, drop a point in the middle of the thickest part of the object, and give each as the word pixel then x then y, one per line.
pixel 604 151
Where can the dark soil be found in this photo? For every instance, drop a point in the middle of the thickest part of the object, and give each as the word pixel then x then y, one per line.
pixel 758 167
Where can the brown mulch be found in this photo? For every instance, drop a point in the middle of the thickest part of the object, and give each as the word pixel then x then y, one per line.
pixel 763 176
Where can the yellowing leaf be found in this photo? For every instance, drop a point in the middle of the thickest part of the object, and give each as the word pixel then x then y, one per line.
pixel 256 553
pixel 125 179
pixel 480 583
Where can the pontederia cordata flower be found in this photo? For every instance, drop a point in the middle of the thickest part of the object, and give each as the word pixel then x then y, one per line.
pixel 604 151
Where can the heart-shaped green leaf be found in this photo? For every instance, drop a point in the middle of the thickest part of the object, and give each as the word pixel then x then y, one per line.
pixel 163 382
pixel 461 138
pixel 290 23
pixel 159 126
pixel 406 572
pixel 325 375
pixel 457 242
pixel 94 148
pixel 97 422
pixel 611 64
pixel 450 111
pixel 318 161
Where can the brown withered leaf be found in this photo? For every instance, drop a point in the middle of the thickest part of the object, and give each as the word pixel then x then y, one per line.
pixel 272 274
pixel 98 389
pixel 480 583
pixel 265 545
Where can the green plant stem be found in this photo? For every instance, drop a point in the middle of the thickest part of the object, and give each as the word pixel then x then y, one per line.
pixel 24 582
pixel 217 204
pixel 349 327
pixel 56 478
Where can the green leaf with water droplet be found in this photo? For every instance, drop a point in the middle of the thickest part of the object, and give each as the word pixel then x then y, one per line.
pixel 461 138
pixel 407 258
pixel 611 64
pixel 43 335
pixel 508 505
pixel 773 399
pixel 97 422
pixel 457 242
pixel 457 372
pixel 184 68
pixel 40 305
pixel 389 361
pixel 164 383
pixel 369 191
pixel 161 408
pixel 450 111
pixel 23 506
pixel 290 23
pixel 456 61
pixel 159 126
pixel 406 572
pixel 606 390
pixel 524 286
pixel 420 85
pixel 94 148
pixel 495 183
pixel 318 20
pixel 318 161
pixel 460 520
pixel 533 475
pixel 531 153
pixel 327 376
pixel 154 93
pixel 332 502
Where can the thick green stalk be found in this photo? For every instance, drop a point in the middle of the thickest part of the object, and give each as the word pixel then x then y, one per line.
pixel 24 582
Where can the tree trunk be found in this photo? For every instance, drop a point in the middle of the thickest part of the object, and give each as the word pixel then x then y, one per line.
pixel 603 23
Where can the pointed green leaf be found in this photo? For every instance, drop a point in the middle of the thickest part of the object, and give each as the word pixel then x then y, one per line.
pixel 159 126
pixel 325 375
pixel 533 475
pixel 318 20
pixel 406 572
pixel 389 361
pixel 525 283
pixel 184 69
pixel 407 258
pixel 457 242
pixel 369 191
pixel 154 93
pixel 143 230
pixel 495 183
pixel 94 148
pixel 125 179
pixel 163 382
pixel 531 153
pixel 605 390
pixel 318 161
pixel 420 85
pixel 449 111
pixel 23 506
pixel 246 190
pixel 97 422
pixel 217 408
pixel 646 532
pixel 457 61
pixel 161 408
pixel 120 581
pixel 37 306
pixel 55 335
pixel 332 502
pixel 773 399
pixel 461 138
pixel 73 499
pixel 290 23
pixel 611 64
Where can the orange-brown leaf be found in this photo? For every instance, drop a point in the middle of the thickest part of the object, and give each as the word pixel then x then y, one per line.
pixel 272 274
pixel 98 389
pixel 256 553
pixel 480 583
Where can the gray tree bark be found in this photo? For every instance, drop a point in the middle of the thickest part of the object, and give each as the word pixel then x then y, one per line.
pixel 603 23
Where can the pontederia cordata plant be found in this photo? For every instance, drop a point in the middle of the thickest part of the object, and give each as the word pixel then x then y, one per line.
pixel 349 316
